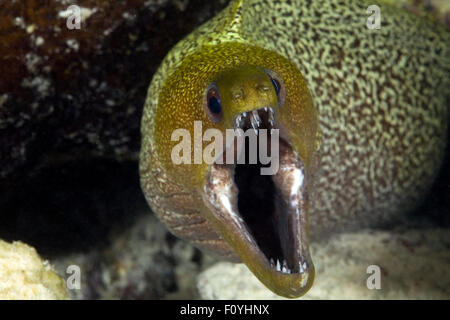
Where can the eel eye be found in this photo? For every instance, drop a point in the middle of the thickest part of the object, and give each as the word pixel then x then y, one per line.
pixel 278 86
pixel 213 103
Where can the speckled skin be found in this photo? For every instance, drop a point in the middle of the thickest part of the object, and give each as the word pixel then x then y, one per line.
pixel 380 97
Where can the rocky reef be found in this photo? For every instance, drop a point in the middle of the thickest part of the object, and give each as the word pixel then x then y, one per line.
pixel 24 275
pixel 69 93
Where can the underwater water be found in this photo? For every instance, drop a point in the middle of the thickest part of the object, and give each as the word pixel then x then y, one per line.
pixel 71 103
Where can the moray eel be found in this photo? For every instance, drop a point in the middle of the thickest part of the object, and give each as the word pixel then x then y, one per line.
pixel 361 115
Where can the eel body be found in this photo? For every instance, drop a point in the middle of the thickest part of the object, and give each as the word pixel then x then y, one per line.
pixel 362 117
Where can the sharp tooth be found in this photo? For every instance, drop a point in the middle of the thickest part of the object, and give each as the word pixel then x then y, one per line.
pixel 266 109
pixel 285 268
pixel 244 114
pixel 271 117
pixel 278 265
pixel 302 267
pixel 272 263
pixel 254 123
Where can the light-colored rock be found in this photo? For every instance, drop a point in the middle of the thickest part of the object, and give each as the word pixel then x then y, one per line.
pixel 24 275
pixel 414 264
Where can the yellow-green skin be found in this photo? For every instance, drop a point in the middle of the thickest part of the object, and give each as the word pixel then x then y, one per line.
pixel 365 109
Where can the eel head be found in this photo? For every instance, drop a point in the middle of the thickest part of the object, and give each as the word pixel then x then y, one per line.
pixel 259 208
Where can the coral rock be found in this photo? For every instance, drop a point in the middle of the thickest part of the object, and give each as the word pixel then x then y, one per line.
pixel 24 275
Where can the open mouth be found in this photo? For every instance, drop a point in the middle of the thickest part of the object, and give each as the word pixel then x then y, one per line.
pixel 264 217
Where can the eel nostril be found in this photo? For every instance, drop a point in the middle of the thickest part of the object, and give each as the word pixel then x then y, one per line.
pixel 262 87
pixel 237 94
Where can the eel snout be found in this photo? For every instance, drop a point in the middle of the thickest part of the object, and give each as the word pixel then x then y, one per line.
pixel 264 216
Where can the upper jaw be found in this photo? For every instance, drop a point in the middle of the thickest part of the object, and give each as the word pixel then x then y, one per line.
pixel 289 270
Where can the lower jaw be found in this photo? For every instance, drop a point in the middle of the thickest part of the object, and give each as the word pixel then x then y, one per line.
pixel 264 219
